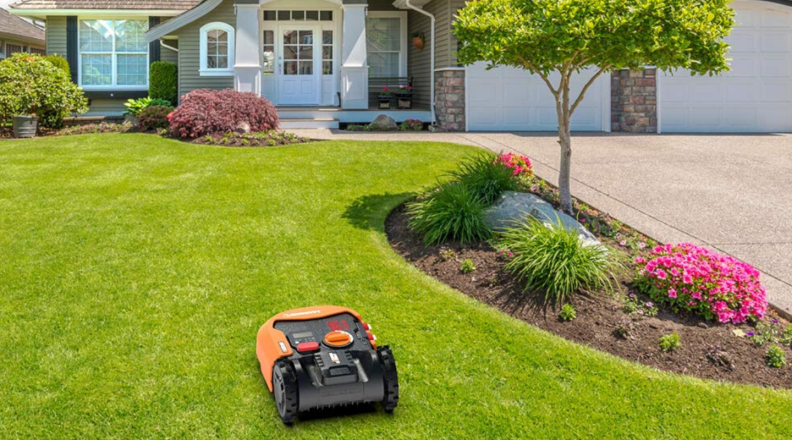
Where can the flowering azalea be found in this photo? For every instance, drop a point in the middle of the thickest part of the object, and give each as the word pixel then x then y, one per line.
pixel 693 278
pixel 519 164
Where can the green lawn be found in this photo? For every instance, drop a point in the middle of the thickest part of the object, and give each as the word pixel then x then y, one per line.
pixel 135 272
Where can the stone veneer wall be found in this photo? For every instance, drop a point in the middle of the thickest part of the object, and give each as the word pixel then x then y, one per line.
pixel 634 101
pixel 450 99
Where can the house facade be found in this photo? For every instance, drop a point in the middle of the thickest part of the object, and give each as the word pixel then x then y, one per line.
pixel 326 60
pixel 17 35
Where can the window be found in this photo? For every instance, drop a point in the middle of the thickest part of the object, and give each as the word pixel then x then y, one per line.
pixel 113 53
pixel 386 35
pixel 14 48
pixel 327 52
pixel 298 15
pixel 268 66
pixel 217 50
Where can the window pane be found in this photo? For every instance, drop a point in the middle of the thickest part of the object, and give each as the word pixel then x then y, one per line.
pixel 312 15
pixel 269 60
pixel 289 37
pixel 269 37
pixel 289 52
pixel 306 67
pixel 284 15
pixel 97 70
pixel 298 15
pixel 132 70
pixel 306 53
pixel 290 67
pixel 327 67
pixel 96 36
pixel 383 64
pixel 383 34
pixel 130 36
pixel 327 52
pixel 269 15
pixel 326 15
pixel 306 37
pixel 327 37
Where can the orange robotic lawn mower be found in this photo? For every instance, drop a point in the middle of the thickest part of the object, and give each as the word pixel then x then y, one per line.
pixel 325 356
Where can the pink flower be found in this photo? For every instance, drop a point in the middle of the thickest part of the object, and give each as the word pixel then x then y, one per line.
pixel 672 293
pixel 623 243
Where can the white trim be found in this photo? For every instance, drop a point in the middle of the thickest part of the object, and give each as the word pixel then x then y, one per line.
pixel 605 99
pixel 182 20
pixel 402 16
pixel 228 29
pixel 114 54
pixel 443 69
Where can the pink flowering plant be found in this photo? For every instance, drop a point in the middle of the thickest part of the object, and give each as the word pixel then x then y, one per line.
pixel 692 278
pixel 520 165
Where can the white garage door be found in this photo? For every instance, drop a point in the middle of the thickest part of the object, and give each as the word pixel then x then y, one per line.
pixel 755 96
pixel 508 99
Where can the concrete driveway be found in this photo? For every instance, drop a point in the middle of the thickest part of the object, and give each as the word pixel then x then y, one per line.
pixel 730 193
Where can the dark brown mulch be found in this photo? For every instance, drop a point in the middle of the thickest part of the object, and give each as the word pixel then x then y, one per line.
pixel 598 316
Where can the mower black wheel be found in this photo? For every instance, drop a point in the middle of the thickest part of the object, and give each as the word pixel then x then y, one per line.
pixel 284 388
pixel 391 378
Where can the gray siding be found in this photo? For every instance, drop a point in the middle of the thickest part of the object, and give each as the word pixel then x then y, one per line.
pixel 56 36
pixel 189 52
pixel 169 55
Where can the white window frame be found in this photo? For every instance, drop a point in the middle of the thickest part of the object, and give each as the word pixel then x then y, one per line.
pixel 204 44
pixel 402 16
pixel 114 78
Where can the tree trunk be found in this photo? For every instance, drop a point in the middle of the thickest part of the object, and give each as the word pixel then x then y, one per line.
pixel 565 169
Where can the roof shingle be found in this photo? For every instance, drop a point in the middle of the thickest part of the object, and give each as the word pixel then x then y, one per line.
pixel 161 5
pixel 13 26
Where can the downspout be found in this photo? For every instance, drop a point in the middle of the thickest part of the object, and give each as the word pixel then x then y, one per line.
pixel 162 43
pixel 431 54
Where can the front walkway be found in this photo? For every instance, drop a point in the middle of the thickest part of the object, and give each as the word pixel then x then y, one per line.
pixel 730 193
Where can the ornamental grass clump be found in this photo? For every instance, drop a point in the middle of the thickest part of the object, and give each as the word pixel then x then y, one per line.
pixel 451 212
pixel 695 279
pixel 555 261
pixel 485 177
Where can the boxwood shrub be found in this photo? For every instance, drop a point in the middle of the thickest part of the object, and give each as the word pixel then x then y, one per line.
pixel 164 81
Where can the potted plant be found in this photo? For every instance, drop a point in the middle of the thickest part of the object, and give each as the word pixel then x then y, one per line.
pixel 418 40
pixel 25 126
pixel 404 97
pixel 384 98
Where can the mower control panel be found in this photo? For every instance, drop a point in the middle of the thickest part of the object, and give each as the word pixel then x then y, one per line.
pixel 341 331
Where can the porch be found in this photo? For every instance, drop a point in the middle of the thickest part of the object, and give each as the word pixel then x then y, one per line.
pixel 332 117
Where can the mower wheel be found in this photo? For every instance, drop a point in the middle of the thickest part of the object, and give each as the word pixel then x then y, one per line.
pixel 391 378
pixel 284 388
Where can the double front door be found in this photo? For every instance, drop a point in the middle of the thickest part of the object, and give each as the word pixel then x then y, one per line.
pixel 299 64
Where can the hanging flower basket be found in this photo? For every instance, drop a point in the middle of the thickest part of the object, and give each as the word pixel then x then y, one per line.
pixel 418 40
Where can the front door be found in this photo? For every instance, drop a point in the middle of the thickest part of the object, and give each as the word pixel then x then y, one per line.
pixel 299 64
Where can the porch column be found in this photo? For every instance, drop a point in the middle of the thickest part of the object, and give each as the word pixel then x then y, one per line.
pixel 354 67
pixel 247 55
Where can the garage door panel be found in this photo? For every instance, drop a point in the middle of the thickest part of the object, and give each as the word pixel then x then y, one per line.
pixel 755 96
pixel 524 103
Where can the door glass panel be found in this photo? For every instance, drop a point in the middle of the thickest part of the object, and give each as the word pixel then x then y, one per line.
pixel 268 67
pixel 298 52
pixel 290 67
pixel 306 53
pixel 306 37
pixel 289 37
pixel 306 67
pixel 327 37
pixel 289 52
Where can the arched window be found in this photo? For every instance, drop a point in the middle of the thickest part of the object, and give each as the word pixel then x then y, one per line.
pixel 217 50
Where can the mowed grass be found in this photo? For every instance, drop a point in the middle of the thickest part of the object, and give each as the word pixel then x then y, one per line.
pixel 135 272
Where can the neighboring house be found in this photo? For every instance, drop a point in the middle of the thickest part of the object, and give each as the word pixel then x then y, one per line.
pixel 325 60
pixel 17 35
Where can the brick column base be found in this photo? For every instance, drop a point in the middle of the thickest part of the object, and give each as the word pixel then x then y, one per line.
pixel 450 99
pixel 634 101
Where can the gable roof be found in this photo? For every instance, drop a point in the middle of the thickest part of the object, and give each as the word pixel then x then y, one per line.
pixel 14 27
pixel 137 5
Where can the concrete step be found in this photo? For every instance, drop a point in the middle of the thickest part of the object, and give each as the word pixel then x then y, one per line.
pixel 287 124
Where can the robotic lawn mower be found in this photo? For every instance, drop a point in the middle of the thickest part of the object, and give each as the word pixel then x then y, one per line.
pixel 321 357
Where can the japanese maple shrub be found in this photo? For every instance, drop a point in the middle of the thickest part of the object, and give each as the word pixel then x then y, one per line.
pixel 692 278
pixel 204 112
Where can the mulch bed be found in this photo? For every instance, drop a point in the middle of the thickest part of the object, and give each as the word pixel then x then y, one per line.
pixel 705 346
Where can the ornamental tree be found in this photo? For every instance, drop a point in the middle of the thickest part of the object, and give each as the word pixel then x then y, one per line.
pixel 565 37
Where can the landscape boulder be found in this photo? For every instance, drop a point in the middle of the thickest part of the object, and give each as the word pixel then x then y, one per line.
pixel 384 122
pixel 514 207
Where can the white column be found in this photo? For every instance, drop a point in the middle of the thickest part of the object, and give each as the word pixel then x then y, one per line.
pixel 354 67
pixel 247 68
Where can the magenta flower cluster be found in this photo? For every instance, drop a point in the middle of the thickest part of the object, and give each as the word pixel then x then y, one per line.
pixel 693 278
pixel 518 163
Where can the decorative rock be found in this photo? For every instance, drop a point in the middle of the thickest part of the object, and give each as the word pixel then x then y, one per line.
pixel 242 128
pixel 513 207
pixel 385 122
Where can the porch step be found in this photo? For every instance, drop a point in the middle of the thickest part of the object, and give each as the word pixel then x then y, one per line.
pixel 309 123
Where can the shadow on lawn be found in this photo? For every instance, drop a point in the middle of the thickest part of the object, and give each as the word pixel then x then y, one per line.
pixel 369 211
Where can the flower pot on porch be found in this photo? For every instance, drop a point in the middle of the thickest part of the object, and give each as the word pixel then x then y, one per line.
pixel 25 126
pixel 404 100
pixel 384 101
